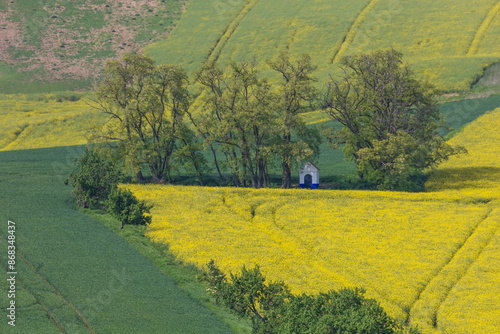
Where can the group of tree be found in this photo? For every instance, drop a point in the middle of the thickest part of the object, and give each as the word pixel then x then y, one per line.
pixel 249 120
pixel 95 185
pixel 255 123
pixel 146 105
pixel 272 308
pixel 243 117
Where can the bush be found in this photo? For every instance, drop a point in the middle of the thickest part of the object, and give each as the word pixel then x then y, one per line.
pixel 273 309
pixel 93 179
pixel 124 206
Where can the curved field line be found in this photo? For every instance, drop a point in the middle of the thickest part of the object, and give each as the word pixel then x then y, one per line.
pixel 58 294
pixel 353 30
pixel 346 279
pixel 214 54
pixel 423 312
pixel 39 302
pixel 483 28
pixel 15 137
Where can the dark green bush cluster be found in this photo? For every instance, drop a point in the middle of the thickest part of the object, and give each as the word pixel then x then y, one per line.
pixel 93 179
pixel 95 185
pixel 123 205
pixel 274 309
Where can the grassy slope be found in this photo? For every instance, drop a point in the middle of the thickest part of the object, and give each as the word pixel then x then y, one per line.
pixel 186 277
pixel 59 45
pixel 196 34
pixel 51 46
pixel 434 36
pixel 75 264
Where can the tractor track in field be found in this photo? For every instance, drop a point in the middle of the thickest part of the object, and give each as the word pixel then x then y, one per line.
pixel 226 35
pixel 346 280
pixel 15 136
pixel 483 28
pixel 353 30
pixel 423 311
pixel 55 291
pixel 38 302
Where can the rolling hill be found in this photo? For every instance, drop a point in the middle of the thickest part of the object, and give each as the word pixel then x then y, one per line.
pixel 62 45
pixel 429 258
pixel 51 45
pixel 444 276
pixel 448 42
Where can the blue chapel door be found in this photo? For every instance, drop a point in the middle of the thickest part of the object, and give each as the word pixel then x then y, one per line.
pixel 308 181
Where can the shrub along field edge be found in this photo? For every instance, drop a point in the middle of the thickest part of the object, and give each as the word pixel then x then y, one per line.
pixel 185 276
pixel 79 269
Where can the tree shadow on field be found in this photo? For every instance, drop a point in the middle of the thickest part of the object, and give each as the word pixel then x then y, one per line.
pixel 466 177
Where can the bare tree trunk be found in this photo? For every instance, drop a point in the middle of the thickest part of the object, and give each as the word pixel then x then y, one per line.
pixel 262 173
pixel 286 182
pixel 221 178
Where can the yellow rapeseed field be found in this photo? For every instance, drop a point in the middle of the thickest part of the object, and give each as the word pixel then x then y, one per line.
pixel 472 305
pixel 478 171
pixel 28 123
pixel 390 243
pixel 420 255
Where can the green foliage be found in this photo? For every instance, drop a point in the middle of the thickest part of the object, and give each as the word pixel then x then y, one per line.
pixel 343 311
pixel 295 94
pixel 125 207
pixel 237 115
pixel 146 105
pixel 93 179
pixel 247 294
pixel 215 279
pixel 134 294
pixel 255 123
pixel 274 309
pixel 389 118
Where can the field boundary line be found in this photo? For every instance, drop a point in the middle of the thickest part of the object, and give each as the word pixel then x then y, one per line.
pixel 57 293
pixel 353 30
pixel 483 28
pixel 231 27
pixel 423 312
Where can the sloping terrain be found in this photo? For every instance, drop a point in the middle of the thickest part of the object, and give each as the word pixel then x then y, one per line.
pixel 62 45
pixel 449 42
pixel 423 256
pixel 443 277
pixel 73 274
